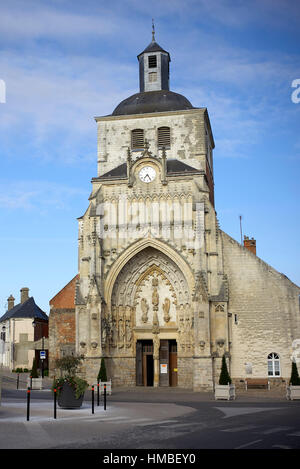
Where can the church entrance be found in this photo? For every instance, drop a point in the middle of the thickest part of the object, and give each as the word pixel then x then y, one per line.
pixel 167 363
pixel 144 363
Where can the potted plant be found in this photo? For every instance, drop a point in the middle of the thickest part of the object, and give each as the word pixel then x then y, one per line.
pixel 225 389
pixel 102 378
pixel 293 390
pixel 34 381
pixel 70 388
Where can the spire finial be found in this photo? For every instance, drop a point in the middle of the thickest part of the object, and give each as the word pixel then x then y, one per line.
pixel 153 31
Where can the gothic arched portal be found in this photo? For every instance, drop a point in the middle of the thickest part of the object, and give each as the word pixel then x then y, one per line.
pixel 150 310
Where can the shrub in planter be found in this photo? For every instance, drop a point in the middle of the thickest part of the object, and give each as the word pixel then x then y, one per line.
pixel 293 390
pixel 224 375
pixel 102 376
pixel 295 380
pixel 35 382
pixel 225 389
pixel 34 370
pixel 70 388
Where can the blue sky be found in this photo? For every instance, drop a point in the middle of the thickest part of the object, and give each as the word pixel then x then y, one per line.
pixel 65 62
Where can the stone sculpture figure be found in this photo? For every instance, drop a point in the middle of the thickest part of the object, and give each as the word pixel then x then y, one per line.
pixel 144 308
pixel 166 309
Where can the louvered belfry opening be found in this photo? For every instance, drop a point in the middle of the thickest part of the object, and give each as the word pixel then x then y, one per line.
pixel 152 61
pixel 164 137
pixel 137 139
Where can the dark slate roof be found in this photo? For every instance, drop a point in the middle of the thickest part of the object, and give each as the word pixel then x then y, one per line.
pixel 153 47
pixel 28 309
pixel 118 172
pixel 152 101
pixel 176 166
pixel 173 166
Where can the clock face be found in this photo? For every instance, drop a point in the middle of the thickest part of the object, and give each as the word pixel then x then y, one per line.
pixel 147 174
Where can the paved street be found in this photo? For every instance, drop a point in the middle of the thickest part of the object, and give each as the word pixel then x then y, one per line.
pixel 151 419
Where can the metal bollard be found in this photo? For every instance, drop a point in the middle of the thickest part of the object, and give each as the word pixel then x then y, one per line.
pixel 54 390
pixel 28 403
pixel 98 393
pixel 18 380
pixel 104 396
pixel 93 400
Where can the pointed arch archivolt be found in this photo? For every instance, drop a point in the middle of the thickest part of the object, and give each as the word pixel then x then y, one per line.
pixel 136 248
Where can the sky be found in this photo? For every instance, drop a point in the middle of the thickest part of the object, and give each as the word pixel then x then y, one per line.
pixel 63 62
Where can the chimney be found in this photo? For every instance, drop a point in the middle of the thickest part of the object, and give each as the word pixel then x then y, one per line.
pixel 24 294
pixel 10 302
pixel 250 244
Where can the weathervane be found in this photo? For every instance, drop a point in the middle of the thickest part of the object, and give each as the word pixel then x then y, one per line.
pixel 153 31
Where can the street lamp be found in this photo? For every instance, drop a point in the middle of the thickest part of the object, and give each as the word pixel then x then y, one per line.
pixel 34 323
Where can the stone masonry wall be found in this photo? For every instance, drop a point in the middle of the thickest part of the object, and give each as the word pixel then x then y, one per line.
pixel 188 140
pixel 266 305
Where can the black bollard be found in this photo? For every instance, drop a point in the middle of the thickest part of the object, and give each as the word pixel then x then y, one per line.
pixel 98 394
pixel 54 390
pixel 104 396
pixel 28 403
pixel 18 379
pixel 93 400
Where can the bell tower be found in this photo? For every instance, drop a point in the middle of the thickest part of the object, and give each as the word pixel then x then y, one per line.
pixel 154 67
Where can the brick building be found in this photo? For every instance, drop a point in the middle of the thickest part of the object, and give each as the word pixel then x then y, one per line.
pixel 62 324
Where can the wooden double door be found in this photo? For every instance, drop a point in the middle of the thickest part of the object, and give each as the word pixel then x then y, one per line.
pixel 167 363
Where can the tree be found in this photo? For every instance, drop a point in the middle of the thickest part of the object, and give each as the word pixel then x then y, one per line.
pixel 295 380
pixel 34 371
pixel 224 376
pixel 102 372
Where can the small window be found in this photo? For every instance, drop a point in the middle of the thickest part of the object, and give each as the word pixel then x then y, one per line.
pixel 164 137
pixel 152 61
pixel 273 364
pixel 137 139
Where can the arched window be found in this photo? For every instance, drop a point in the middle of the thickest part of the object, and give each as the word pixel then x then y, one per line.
pixel 164 137
pixel 137 139
pixel 273 364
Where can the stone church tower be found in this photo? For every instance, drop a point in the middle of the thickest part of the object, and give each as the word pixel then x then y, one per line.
pixel 163 293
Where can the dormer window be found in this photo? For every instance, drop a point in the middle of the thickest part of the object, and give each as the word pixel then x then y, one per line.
pixel 137 139
pixel 164 137
pixel 152 61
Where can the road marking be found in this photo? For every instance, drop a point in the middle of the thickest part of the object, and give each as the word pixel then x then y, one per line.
pixel 179 425
pixel 37 432
pixel 275 430
pixel 156 423
pixel 281 446
pixel 247 444
pixel 239 429
pixel 234 411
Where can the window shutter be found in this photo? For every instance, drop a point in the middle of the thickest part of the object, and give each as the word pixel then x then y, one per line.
pixel 137 139
pixel 164 137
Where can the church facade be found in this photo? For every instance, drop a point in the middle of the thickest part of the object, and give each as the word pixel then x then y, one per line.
pixel 162 292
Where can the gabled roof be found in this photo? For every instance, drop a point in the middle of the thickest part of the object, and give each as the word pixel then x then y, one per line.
pixel 28 309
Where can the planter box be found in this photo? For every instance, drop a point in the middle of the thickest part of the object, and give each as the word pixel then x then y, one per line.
pixel 66 398
pixel 293 392
pixel 108 387
pixel 226 392
pixel 37 383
